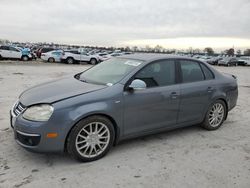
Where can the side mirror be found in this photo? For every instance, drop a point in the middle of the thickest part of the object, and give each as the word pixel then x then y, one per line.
pixel 137 85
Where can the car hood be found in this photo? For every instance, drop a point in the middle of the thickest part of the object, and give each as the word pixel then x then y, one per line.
pixel 57 90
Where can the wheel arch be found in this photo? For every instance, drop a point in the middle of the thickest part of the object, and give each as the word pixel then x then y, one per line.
pixel 116 127
pixel 51 58
pixel 215 99
pixel 94 59
pixel 226 103
pixel 70 57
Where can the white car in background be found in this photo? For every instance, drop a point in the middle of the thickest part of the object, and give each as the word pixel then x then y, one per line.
pixel 205 59
pixel 77 56
pixel 52 56
pixel 103 56
pixel 228 61
pixel 10 52
pixel 245 60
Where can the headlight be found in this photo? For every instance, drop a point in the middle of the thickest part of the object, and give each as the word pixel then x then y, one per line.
pixel 40 112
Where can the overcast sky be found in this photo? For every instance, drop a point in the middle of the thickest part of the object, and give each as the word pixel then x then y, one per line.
pixel 171 23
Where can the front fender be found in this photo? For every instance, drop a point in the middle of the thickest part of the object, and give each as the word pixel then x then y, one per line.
pixel 68 117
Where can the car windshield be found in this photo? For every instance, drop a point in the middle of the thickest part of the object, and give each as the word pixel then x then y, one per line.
pixel 109 72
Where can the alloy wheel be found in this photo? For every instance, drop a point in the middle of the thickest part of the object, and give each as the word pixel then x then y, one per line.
pixel 92 139
pixel 216 114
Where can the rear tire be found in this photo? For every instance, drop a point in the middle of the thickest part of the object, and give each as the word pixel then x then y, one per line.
pixel 70 60
pixel 91 139
pixel 93 61
pixel 51 60
pixel 215 115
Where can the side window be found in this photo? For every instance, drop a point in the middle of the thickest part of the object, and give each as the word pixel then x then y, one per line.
pixel 5 48
pixel 160 73
pixel 74 52
pixel 57 53
pixel 191 71
pixel 84 53
pixel 14 49
pixel 207 72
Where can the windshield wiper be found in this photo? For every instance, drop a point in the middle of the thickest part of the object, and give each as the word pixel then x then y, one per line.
pixel 83 80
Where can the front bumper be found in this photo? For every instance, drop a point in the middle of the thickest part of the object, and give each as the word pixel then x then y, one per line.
pixel 33 135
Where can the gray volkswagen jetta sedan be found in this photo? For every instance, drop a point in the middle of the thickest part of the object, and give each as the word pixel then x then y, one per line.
pixel 130 96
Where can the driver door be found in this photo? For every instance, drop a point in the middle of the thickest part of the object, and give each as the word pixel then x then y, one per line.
pixel 84 56
pixel 15 53
pixel 156 106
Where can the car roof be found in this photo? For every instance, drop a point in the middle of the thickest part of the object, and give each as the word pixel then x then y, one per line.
pixel 152 57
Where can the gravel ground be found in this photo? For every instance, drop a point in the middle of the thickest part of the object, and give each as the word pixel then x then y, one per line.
pixel 187 157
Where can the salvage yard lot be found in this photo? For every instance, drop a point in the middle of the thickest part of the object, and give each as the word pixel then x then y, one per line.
pixel 188 157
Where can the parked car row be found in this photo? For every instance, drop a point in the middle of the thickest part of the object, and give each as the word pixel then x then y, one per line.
pixel 50 54
pixel 78 55
pixel 95 56
pixel 11 52
pixel 226 61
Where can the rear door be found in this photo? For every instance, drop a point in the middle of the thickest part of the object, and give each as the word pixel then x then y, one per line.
pixel 196 90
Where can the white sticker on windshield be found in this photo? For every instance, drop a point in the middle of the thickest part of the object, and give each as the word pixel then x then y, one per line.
pixel 132 63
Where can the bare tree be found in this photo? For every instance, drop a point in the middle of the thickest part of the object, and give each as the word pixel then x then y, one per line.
pixel 247 52
pixel 209 51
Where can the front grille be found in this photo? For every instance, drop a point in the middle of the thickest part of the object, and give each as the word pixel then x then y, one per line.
pixel 18 108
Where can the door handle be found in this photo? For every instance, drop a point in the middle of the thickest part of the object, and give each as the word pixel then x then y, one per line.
pixel 210 89
pixel 174 95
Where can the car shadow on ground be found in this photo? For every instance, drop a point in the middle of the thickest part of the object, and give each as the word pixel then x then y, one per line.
pixel 125 146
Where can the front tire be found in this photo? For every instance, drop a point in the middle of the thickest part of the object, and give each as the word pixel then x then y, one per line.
pixel 25 58
pixel 215 115
pixel 91 139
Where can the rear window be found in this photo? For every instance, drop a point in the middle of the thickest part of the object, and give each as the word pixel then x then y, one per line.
pixel 208 74
pixel 191 71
